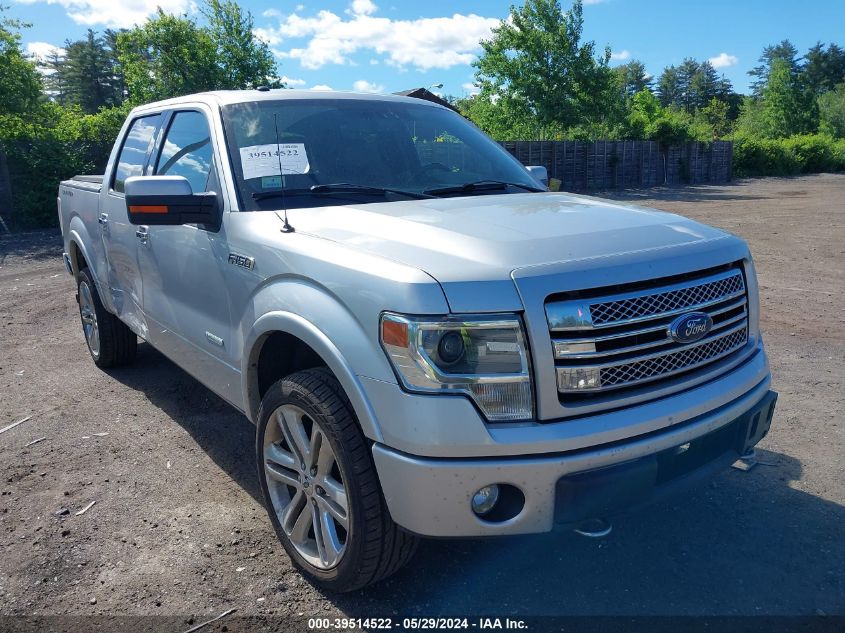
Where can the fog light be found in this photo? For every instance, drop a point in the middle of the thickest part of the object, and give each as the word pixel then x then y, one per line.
pixel 484 500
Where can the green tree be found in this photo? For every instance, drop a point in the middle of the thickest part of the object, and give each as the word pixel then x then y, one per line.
pixel 692 85
pixel 86 75
pixel 787 109
pixel 832 112
pixel 715 117
pixel 536 59
pixel 172 55
pixel 633 78
pixel 502 117
pixel 20 81
pixel 118 81
pixel 648 119
pixel 669 88
pixel 785 51
pixel 824 69
pixel 54 80
pixel 168 56
pixel 244 60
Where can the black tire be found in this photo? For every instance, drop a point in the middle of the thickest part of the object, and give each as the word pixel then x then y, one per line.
pixel 375 546
pixel 117 343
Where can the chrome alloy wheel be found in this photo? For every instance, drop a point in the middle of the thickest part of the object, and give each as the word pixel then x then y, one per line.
pixel 306 486
pixel 89 319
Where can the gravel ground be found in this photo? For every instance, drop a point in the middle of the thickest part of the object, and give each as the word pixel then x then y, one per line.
pixel 178 528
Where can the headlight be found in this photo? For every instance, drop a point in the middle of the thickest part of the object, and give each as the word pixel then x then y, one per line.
pixel 483 357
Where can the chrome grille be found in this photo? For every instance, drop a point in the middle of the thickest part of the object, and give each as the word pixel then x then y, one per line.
pixel 622 341
pixel 672 363
pixel 663 302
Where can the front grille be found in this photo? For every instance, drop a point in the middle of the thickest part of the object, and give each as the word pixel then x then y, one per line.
pixel 666 364
pixel 665 302
pixel 622 341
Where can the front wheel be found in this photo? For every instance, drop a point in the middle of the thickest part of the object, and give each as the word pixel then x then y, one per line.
pixel 320 485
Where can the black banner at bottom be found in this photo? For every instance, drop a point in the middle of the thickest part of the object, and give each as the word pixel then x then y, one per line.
pixel 229 622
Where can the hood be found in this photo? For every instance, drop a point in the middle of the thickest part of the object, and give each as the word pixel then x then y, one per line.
pixel 485 238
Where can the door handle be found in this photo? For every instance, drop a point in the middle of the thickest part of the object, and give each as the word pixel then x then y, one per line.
pixel 103 219
pixel 143 234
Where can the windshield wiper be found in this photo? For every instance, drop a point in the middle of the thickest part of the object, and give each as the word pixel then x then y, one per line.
pixel 338 188
pixel 480 185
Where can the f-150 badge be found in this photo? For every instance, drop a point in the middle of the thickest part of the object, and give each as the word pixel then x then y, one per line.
pixel 242 261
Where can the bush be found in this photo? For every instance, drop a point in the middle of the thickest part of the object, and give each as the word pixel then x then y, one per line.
pixel 48 146
pixel 799 154
pixel 814 152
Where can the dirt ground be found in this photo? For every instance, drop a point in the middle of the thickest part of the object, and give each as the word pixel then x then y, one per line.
pixel 178 528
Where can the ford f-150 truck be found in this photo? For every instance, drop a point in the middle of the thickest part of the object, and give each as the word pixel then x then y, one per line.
pixel 429 342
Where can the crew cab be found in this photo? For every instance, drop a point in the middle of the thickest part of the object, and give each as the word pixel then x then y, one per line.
pixel 429 342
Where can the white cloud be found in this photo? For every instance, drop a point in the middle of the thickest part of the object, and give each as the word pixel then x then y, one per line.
pixel 471 88
pixel 363 85
pixel 290 82
pixel 362 7
pixel 40 50
pixel 267 35
pixel 594 1
pixel 723 60
pixel 620 56
pixel 424 43
pixel 115 14
pixel 321 87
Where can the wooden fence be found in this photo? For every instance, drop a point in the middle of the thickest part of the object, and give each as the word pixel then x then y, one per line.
pixel 579 165
pixel 584 166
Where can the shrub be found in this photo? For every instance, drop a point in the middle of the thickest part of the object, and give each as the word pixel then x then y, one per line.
pixel 814 152
pixel 754 156
pixel 48 146
pixel 799 154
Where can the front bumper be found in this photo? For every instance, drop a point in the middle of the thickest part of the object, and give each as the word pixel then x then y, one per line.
pixel 431 496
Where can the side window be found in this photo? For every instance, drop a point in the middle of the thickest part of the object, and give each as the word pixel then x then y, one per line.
pixel 133 154
pixel 187 151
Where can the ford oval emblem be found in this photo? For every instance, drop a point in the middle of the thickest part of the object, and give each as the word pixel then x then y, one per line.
pixel 690 327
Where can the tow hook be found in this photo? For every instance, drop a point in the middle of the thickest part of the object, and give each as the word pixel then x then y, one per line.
pixel 594 528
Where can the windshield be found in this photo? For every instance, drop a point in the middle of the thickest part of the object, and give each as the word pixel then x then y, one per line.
pixel 384 149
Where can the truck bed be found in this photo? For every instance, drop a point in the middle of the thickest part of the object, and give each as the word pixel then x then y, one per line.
pixel 91 182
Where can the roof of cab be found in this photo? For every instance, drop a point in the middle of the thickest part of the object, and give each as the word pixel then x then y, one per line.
pixel 227 97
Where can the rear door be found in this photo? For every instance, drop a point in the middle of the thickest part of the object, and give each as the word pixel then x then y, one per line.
pixel 120 238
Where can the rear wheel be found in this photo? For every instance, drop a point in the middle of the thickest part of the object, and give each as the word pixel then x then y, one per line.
pixel 110 342
pixel 320 485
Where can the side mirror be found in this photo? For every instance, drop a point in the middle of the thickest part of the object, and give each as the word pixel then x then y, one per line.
pixel 168 200
pixel 540 174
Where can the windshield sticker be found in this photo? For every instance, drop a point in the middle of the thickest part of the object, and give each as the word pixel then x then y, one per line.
pixel 271 182
pixel 258 161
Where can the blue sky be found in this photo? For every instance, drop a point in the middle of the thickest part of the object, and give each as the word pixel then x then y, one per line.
pixel 388 45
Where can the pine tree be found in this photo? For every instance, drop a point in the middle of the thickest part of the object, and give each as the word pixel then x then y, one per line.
pixel 86 74
pixel 787 109
pixel 633 77
pixel 786 51
pixel 823 69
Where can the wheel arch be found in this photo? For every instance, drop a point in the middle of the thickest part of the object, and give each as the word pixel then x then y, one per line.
pixel 281 328
pixel 78 254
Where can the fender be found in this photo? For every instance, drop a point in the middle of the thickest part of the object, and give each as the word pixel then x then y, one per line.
pixel 79 236
pixel 290 323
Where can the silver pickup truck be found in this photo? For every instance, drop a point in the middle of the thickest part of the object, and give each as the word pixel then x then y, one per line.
pixel 429 342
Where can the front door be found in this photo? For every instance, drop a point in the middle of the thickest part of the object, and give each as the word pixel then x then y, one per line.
pixel 185 293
